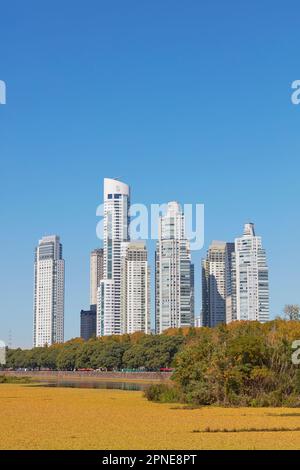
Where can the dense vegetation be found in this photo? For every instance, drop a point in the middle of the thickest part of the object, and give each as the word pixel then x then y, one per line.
pixel 241 364
pixel 137 351
pixel 14 380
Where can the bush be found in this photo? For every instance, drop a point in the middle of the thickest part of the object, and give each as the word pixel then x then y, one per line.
pixel 11 379
pixel 241 364
pixel 163 393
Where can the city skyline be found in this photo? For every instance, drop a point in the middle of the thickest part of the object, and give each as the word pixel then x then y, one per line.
pixel 171 228
pixel 235 277
pixel 218 298
pixel 177 101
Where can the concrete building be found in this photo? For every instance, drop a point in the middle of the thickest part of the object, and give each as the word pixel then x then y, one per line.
pixel 135 288
pixel 174 275
pixel 49 291
pixel 216 283
pixel 116 223
pixel 250 278
pixel 96 275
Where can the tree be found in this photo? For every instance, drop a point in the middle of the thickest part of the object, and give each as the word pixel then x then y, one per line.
pixel 86 353
pixel 292 312
pixel 243 363
pixel 16 358
pixel 50 356
pixel 108 355
pixel 66 358
pixel 35 358
pixel 152 352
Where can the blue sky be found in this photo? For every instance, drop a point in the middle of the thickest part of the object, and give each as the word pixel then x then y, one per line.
pixel 183 100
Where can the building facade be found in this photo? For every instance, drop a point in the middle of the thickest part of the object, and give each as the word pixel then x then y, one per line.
pixel 88 324
pixel 173 273
pixel 49 291
pixel 135 288
pixel 96 275
pixel 192 279
pixel 116 224
pixel 216 283
pixel 249 278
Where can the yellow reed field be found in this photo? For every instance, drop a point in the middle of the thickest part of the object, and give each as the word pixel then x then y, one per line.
pixel 57 418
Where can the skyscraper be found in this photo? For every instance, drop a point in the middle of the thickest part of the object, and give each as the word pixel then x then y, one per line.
pixel 192 281
pixel 49 287
pixel 135 288
pixel 250 278
pixel 96 275
pixel 228 279
pixel 116 223
pixel 88 324
pixel 174 274
pixel 216 283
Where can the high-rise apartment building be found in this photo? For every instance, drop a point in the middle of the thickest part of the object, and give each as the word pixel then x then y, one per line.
pixel 135 288
pixel 116 223
pixel 49 287
pixel 230 247
pixel 192 280
pixel 174 274
pixel 216 283
pixel 250 278
pixel 96 275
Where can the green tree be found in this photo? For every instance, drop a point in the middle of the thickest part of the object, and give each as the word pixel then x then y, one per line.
pixel 153 352
pixel 67 356
pixel 244 363
pixel 85 354
pixel 108 355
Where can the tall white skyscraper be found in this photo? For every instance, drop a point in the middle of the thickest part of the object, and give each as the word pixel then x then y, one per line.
pixel 116 223
pixel 49 290
pixel 216 268
pixel 174 273
pixel 250 278
pixel 135 288
pixel 96 275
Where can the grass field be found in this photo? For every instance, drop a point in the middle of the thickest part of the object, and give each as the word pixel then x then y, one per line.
pixel 57 418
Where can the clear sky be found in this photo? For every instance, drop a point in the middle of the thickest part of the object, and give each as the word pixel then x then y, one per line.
pixel 183 100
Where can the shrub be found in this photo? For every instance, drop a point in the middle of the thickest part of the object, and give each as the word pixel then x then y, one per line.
pixel 163 393
pixel 11 379
pixel 241 364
